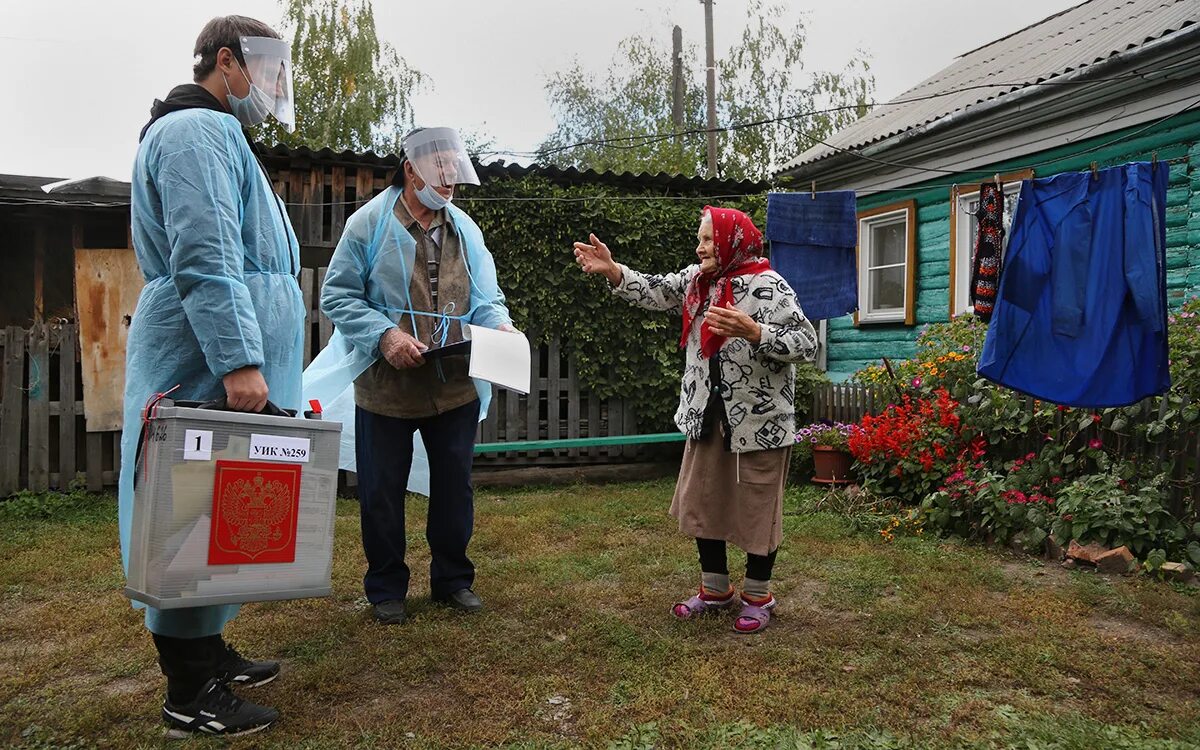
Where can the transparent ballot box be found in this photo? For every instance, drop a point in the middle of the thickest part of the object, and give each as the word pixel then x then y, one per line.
pixel 232 507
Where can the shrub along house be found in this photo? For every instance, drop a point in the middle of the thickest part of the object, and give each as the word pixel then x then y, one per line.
pixel 1105 82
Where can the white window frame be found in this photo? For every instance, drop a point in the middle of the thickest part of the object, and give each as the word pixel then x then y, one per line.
pixel 823 345
pixel 962 244
pixel 906 212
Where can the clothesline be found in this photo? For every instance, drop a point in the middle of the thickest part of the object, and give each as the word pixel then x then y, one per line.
pixel 1048 162
pixel 984 176
pixel 579 199
pixel 700 198
pixel 528 199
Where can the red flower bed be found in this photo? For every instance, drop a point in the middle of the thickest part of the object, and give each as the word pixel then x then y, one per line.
pixel 909 449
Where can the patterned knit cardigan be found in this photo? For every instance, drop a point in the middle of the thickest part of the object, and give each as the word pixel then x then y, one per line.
pixel 757 382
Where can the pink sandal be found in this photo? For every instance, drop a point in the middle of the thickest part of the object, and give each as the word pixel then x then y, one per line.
pixel 701 604
pixel 754 617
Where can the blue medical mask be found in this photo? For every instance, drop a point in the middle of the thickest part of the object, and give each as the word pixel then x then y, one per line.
pixel 253 108
pixel 432 199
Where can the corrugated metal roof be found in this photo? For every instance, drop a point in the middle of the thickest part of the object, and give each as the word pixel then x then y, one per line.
pixel 102 190
pixel 1079 37
pixel 90 192
pixel 558 175
pixel 631 180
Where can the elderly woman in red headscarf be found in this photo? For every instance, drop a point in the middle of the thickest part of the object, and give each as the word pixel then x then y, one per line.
pixel 743 332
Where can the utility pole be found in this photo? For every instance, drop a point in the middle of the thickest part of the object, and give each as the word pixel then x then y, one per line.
pixel 712 87
pixel 677 81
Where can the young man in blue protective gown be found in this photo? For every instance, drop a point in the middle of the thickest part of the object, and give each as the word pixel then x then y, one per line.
pixel 221 315
pixel 409 273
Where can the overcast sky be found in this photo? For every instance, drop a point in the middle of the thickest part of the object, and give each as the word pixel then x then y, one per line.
pixel 83 73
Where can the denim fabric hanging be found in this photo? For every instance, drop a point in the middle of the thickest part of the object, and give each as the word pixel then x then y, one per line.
pixel 813 239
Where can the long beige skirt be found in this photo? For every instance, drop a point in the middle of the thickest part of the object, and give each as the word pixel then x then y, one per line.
pixel 732 496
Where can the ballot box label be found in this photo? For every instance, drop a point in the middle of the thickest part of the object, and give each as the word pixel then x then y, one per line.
pixel 255 512
pixel 276 448
pixel 197 445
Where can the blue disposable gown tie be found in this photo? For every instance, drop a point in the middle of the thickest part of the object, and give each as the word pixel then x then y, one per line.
pixel 367 291
pixel 1081 318
pixel 220 264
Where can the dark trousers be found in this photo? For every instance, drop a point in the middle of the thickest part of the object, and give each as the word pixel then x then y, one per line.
pixel 384 450
pixel 188 663
pixel 713 560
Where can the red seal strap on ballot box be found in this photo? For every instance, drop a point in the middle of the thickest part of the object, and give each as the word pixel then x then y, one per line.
pixel 255 513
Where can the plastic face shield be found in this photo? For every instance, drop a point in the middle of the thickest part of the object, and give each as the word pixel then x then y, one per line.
pixel 269 65
pixel 440 158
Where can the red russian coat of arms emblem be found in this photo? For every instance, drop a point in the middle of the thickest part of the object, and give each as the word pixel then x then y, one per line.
pixel 255 511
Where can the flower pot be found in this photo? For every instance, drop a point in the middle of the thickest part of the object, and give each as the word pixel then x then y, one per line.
pixel 831 465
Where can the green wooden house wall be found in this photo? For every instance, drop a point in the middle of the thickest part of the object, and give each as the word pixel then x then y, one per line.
pixel 851 347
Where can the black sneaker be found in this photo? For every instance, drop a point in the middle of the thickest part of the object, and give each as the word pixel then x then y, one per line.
pixel 218 711
pixel 238 671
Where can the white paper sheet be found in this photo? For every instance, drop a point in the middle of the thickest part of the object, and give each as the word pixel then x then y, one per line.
pixel 500 357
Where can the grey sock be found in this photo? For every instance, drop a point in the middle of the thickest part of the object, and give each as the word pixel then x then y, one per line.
pixel 756 589
pixel 715 584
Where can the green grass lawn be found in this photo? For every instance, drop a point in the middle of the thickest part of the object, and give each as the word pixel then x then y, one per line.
pixel 917 643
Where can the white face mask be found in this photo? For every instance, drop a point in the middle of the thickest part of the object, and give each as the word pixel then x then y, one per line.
pixel 253 108
pixel 432 199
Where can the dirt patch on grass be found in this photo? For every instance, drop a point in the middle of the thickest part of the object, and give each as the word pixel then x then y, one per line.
pixel 1130 630
pixel 973 635
pixel 13 650
pixel 802 591
pixel 558 714
pixel 1025 570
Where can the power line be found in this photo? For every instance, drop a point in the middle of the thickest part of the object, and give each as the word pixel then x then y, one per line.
pixel 983 174
pixel 938 170
pixel 1125 137
pixel 17 201
pixel 812 139
pixel 639 141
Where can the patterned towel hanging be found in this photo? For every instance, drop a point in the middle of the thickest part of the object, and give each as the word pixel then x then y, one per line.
pixel 985 266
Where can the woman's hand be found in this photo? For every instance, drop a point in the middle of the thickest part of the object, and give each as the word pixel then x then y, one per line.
pixel 596 258
pixel 731 322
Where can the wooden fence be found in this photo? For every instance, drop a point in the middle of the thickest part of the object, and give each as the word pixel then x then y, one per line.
pixel 846 403
pixel 43 439
pixel 44 442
